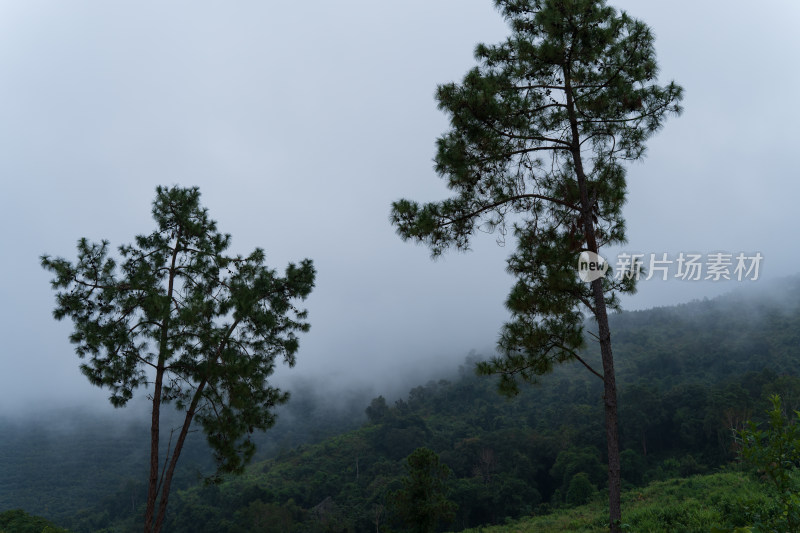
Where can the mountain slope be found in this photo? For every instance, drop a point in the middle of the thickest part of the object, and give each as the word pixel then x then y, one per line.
pixel 687 376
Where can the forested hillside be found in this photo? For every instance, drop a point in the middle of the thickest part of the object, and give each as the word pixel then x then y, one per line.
pixel 79 467
pixel 688 376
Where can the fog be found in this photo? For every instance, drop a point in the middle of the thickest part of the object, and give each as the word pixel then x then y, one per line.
pixel 302 122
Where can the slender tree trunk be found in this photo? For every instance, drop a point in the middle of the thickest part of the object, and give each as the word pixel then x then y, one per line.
pixel 187 422
pixel 610 400
pixel 601 314
pixel 153 489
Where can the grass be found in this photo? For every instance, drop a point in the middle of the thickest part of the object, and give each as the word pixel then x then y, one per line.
pixel 720 502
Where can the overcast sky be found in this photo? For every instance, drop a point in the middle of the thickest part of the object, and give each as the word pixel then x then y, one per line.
pixel 302 121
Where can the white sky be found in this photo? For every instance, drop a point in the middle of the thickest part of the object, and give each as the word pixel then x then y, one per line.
pixel 301 122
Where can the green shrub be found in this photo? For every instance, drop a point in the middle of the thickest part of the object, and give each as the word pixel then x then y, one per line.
pixel 774 453
pixel 580 489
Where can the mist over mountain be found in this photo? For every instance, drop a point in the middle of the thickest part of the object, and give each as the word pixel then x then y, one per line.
pixel 56 461
pixel 301 124
pixel 718 358
pixel 212 98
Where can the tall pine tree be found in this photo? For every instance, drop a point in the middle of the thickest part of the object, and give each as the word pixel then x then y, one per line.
pixel 540 131
pixel 422 502
pixel 199 328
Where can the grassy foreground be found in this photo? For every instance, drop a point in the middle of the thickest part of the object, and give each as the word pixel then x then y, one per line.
pixel 718 502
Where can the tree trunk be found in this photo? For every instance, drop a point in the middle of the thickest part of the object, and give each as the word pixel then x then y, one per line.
pixel 610 401
pixel 152 488
pixel 187 422
pixel 601 315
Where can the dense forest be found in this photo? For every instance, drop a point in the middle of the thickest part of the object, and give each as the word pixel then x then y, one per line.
pixel 66 463
pixel 689 375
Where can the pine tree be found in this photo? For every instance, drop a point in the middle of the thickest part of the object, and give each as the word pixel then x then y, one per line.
pixel 200 327
pixel 422 502
pixel 540 131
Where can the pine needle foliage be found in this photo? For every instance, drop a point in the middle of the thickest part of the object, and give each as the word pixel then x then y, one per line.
pixel 540 131
pixel 198 328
